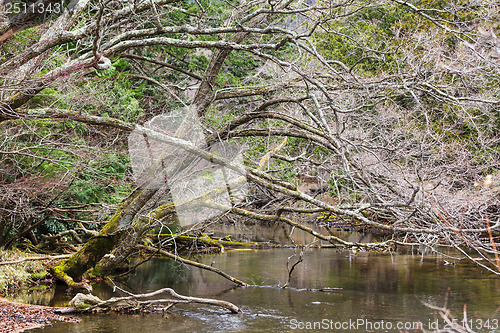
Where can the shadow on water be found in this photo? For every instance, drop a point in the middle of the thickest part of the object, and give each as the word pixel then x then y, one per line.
pixel 374 288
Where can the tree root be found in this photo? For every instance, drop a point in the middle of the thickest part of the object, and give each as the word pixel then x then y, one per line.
pixel 59 273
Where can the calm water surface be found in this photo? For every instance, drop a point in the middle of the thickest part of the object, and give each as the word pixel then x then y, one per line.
pixel 378 291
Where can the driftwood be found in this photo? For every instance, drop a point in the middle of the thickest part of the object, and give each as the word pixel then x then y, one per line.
pixel 326 289
pixel 135 301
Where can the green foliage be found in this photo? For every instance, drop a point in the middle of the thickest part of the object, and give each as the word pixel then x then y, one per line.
pixel 238 66
pixel 215 120
pixel 369 28
pixel 19 41
pixel 123 93
pixel 371 38
pixel 48 96
pixel 109 185
pixel 39 275
pixel 60 167
pixel 288 171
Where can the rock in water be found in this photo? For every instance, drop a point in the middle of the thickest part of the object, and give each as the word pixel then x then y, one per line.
pixel 83 300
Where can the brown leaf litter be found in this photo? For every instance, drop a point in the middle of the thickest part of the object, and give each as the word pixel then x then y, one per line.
pixel 16 317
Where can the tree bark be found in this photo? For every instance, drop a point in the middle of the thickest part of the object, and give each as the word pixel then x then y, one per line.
pixel 103 243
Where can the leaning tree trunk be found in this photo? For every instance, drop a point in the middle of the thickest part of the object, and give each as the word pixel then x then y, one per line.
pixel 124 230
pixel 104 242
pixel 126 227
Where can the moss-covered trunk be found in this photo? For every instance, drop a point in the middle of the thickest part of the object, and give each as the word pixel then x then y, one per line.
pixel 139 227
pixel 124 230
pixel 110 237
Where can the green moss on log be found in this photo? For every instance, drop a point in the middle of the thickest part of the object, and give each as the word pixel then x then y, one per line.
pixel 59 273
pixel 88 256
pixel 214 241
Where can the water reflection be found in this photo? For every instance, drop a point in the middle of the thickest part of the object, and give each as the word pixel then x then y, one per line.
pixel 374 288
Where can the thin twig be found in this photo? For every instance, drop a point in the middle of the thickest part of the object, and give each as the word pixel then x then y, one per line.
pixel 13 262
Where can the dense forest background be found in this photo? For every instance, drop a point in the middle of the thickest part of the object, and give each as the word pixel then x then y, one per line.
pixel 379 116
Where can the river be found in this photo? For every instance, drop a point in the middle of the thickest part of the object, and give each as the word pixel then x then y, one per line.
pixel 379 293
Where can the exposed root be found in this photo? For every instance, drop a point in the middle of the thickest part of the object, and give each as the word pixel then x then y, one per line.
pixel 59 273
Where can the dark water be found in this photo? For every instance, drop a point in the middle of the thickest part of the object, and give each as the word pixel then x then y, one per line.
pixel 378 291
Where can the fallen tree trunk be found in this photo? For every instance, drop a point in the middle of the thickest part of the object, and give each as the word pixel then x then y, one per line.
pixel 138 299
pixel 215 241
pixel 103 243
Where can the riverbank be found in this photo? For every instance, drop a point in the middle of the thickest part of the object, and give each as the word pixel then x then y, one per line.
pixel 16 317
pixel 19 270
